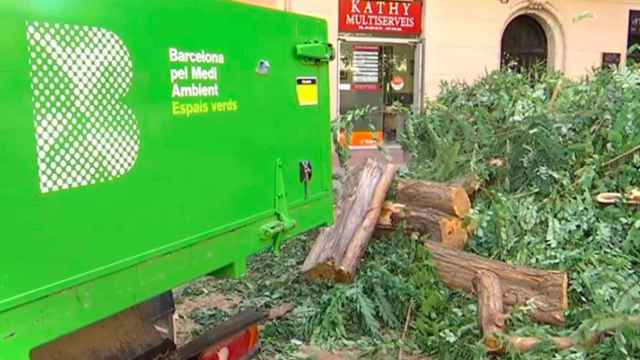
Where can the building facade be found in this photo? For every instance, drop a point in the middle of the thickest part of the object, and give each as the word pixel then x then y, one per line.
pixel 394 53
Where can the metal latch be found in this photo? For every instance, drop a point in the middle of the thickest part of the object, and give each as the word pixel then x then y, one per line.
pixel 306 174
pixel 316 52
pixel 277 230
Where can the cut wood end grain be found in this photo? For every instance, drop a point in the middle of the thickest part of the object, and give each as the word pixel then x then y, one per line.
pixel 442 227
pixel 452 200
pixel 389 209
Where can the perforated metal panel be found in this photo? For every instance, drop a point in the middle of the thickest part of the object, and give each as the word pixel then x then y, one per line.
pixel 84 134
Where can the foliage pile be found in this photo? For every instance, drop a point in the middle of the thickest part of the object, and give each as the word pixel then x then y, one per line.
pixel 544 146
pixel 367 316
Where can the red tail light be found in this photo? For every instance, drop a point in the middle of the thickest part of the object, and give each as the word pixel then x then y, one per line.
pixel 238 347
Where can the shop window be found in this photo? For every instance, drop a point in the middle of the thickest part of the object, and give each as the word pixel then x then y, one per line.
pixel 380 77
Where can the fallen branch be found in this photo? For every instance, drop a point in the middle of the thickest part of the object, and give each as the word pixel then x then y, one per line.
pixel 590 334
pixel 406 330
pixel 490 308
pixel 546 290
pixel 526 344
pixel 556 94
pixel 623 156
pixel 491 317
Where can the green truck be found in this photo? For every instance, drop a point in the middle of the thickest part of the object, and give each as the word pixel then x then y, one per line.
pixel 145 144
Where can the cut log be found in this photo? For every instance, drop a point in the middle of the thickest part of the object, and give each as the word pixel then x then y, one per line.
pixel 546 290
pixel 353 255
pixel 337 251
pixel 442 227
pixel 423 194
pixel 490 308
pixel 321 262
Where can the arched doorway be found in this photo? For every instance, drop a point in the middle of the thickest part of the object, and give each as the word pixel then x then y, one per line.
pixel 524 44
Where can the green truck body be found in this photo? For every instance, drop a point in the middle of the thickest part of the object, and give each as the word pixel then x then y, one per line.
pixel 146 143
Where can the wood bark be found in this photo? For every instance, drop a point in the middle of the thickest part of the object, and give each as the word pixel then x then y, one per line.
pixel 442 227
pixel 525 344
pixel 352 256
pixel 337 249
pixel 452 200
pixel 492 319
pixel 490 308
pixel 546 290
pixel 351 208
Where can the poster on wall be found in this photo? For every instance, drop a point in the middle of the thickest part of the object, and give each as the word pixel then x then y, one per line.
pixel 366 64
pixel 366 68
pixel 375 16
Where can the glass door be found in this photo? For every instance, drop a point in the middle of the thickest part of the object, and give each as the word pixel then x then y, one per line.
pixel 399 88
pixel 383 77
pixel 361 78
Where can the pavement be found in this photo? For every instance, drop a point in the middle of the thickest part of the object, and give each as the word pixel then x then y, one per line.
pixel 360 155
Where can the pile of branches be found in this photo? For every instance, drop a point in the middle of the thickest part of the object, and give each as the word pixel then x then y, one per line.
pixel 546 149
pixel 555 230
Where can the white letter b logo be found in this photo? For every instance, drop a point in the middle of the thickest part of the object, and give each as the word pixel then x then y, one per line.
pixel 84 134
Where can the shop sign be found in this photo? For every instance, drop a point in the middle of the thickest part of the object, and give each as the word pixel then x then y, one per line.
pixel 388 17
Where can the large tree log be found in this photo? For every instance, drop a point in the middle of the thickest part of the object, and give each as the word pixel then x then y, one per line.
pixel 490 308
pixel 352 206
pixel 361 201
pixel 423 194
pixel 442 227
pixel 547 290
pixel 352 256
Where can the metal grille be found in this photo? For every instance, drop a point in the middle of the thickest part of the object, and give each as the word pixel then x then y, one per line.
pixel 84 134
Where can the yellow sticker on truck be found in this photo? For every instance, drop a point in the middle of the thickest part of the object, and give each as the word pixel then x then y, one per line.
pixel 307 88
